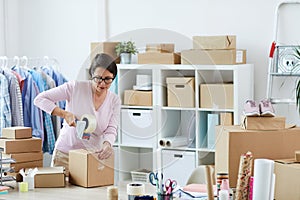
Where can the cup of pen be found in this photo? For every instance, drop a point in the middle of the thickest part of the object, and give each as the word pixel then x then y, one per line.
pixel 164 196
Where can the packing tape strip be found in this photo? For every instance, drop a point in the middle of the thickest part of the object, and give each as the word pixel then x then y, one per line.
pixel 135 189
pixel 91 123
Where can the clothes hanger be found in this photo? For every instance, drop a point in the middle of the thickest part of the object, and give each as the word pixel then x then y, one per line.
pixel 17 61
pixel 25 63
pixel 5 62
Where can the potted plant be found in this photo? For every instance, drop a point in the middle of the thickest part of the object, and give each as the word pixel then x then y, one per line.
pixel 125 49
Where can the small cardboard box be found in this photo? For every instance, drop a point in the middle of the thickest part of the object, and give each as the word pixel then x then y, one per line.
pixel 30 164
pixel 216 96
pixel 21 145
pixel 214 42
pixel 213 57
pixel 24 157
pixel 17 132
pixel 49 177
pixel 263 123
pixel 226 119
pixel 287 184
pixel 161 48
pixel 104 47
pixel 137 98
pixel 158 58
pixel 233 141
pixel 91 172
pixel 181 91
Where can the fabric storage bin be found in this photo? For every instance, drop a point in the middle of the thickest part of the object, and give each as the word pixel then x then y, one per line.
pixel 138 127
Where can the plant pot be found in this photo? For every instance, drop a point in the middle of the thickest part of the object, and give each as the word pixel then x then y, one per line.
pixel 125 58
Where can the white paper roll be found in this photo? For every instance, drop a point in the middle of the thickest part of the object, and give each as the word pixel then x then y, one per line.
pixel 173 141
pixel 91 123
pixel 135 189
pixel 263 179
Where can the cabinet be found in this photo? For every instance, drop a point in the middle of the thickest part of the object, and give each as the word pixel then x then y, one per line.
pixel 142 127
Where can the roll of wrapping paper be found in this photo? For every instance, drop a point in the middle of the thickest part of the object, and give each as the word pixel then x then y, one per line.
pixel 245 169
pixel 209 183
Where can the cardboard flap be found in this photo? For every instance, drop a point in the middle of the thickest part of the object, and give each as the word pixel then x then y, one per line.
pixel 179 80
pixel 50 170
pixel 287 161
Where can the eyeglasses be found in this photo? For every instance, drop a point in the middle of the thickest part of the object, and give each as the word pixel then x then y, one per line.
pixel 99 79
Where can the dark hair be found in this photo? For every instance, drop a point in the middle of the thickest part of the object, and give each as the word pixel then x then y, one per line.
pixel 104 61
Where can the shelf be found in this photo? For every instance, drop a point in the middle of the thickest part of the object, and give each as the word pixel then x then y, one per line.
pixel 141 127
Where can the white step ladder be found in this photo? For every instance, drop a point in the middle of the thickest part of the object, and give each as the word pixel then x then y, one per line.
pixel 284 65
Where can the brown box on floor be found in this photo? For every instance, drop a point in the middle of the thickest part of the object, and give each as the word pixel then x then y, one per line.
pixel 263 123
pixel 214 42
pixel 21 145
pixel 91 172
pixel 181 91
pixel 49 177
pixel 287 184
pixel 104 47
pixel 213 57
pixel 158 58
pixel 17 132
pixel 137 98
pixel 29 164
pixel 216 96
pixel 233 141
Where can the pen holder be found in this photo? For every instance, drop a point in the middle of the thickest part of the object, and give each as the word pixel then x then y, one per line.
pixel 164 196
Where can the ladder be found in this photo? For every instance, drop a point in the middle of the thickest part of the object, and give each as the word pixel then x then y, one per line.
pixel 284 64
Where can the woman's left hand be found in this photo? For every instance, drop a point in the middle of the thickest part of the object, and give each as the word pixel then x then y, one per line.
pixel 106 151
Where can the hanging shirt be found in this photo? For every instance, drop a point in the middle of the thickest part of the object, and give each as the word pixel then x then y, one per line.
pixel 79 97
pixel 5 112
pixel 32 115
pixel 15 98
pixel 49 137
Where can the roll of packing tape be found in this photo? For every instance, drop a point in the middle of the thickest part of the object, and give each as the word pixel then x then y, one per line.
pixel 91 123
pixel 135 189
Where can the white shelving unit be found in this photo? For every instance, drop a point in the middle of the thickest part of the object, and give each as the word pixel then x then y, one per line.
pixel 159 120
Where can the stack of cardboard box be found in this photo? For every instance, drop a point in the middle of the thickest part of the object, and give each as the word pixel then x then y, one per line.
pixel 159 54
pixel 214 50
pixel 19 144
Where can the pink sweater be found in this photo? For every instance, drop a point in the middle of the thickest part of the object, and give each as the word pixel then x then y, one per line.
pixel 79 101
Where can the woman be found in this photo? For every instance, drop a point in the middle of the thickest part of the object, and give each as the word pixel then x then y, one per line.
pixel 85 97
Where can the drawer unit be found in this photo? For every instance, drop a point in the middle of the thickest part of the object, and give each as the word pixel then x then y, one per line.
pixel 138 128
pixel 178 165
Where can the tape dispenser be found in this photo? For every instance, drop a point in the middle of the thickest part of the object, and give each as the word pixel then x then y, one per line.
pixel 85 126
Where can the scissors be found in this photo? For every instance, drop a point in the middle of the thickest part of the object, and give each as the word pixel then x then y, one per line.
pixel 154 179
pixel 170 185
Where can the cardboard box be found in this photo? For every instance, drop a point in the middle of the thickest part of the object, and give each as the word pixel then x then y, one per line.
pixel 21 145
pixel 49 177
pixel 30 164
pixel 216 96
pixel 233 141
pixel 181 91
pixel 104 47
pixel 158 58
pixel 263 123
pixel 161 48
pixel 17 132
pixel 24 157
pixel 213 57
pixel 137 98
pixel 226 119
pixel 91 172
pixel 287 182
pixel 214 42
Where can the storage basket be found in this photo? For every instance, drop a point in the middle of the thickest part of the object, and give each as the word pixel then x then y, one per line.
pixel 141 175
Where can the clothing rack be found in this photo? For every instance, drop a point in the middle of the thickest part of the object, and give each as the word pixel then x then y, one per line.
pixel 29 61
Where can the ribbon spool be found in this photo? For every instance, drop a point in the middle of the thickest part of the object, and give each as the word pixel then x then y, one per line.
pixel 134 190
pixel 90 121
pixel 112 193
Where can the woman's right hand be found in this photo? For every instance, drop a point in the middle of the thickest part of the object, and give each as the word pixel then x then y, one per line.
pixel 70 118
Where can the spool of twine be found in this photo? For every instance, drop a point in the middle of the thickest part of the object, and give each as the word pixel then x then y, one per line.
pixel 112 193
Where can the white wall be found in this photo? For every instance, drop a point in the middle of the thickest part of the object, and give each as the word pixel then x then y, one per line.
pixel 64 28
